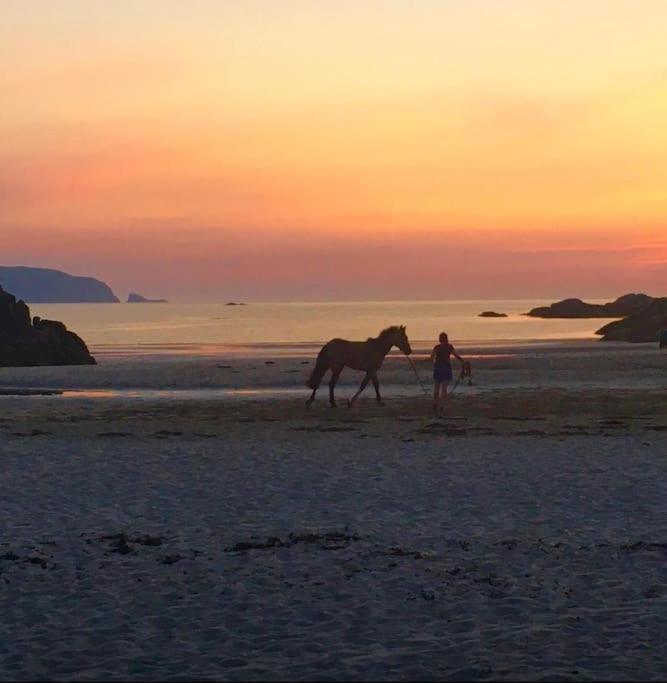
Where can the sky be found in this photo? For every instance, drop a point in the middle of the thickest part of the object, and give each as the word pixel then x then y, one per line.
pixel 305 150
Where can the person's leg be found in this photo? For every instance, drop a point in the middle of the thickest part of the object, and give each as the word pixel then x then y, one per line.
pixel 443 398
pixel 436 395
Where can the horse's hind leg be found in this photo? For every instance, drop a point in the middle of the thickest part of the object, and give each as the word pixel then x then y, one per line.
pixel 364 383
pixel 335 374
pixel 376 385
pixel 311 399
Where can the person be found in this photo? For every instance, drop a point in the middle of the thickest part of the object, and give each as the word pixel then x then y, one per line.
pixel 442 369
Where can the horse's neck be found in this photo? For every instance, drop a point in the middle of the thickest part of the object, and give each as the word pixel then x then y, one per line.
pixel 383 345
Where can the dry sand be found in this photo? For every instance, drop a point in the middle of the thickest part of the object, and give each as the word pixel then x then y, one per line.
pixel 189 535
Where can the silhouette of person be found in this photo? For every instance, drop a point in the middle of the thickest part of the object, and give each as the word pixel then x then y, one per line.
pixel 442 369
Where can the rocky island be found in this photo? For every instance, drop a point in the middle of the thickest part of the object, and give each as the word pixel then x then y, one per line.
pixel 38 342
pixel 643 326
pixel 628 304
pixel 135 298
pixel 491 314
pixel 47 286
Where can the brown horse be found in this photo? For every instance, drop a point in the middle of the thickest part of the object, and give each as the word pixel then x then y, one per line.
pixel 368 356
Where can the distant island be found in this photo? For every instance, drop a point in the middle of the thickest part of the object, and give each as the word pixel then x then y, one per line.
pixel 491 314
pixel 47 286
pixel 626 305
pixel 135 298
pixel 233 303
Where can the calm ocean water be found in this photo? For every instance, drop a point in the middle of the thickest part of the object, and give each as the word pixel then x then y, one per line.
pixel 201 328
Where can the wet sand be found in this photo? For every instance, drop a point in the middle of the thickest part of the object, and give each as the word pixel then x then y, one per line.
pixel 242 537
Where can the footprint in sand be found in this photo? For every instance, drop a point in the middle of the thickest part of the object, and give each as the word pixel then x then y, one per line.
pixel 322 428
pixel 165 433
pixel 440 428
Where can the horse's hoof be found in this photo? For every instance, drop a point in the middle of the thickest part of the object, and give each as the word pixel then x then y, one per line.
pixel 309 403
pixel 381 403
pixel 349 403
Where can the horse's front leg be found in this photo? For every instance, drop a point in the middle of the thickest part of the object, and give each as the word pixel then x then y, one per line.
pixel 376 385
pixel 364 384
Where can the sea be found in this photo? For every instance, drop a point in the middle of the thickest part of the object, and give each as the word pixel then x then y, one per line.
pixel 292 328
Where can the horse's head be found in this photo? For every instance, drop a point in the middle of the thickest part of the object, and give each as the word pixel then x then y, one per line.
pixel 401 340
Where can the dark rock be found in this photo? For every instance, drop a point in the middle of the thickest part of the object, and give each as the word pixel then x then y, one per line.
pixel 47 286
pixel 576 308
pixel 491 314
pixel 40 342
pixel 645 326
pixel 135 298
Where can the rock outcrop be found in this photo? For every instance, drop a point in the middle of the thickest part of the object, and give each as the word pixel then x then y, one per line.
pixel 576 308
pixel 46 286
pixel 135 298
pixel 38 342
pixel 491 314
pixel 644 326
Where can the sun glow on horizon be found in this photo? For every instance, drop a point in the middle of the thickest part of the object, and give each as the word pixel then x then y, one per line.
pixel 521 133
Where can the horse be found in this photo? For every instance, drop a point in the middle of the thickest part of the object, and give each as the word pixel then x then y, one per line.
pixel 358 355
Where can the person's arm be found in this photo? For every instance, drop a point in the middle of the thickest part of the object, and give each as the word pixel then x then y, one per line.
pixel 433 354
pixel 452 350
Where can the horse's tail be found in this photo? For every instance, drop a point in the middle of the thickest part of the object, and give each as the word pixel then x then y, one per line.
pixel 321 366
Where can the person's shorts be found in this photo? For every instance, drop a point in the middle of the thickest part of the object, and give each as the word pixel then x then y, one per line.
pixel 442 372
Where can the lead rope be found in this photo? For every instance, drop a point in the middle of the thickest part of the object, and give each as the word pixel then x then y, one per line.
pixel 419 379
pixel 466 371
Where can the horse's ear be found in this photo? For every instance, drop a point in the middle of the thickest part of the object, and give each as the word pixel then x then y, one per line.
pixel 403 328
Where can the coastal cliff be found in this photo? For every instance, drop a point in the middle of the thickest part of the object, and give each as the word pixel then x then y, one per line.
pixel 47 286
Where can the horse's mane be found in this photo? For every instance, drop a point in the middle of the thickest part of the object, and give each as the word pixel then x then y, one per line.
pixel 386 332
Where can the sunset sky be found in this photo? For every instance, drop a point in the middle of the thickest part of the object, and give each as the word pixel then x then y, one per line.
pixel 343 149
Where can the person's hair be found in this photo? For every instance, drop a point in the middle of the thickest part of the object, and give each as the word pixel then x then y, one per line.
pixel 443 338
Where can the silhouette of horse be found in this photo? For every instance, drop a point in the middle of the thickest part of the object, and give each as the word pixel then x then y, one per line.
pixel 368 356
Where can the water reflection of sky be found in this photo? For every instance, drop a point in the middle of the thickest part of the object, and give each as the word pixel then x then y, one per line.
pixel 186 328
pixel 263 393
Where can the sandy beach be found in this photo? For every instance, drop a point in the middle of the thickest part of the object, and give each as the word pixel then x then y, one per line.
pixel 208 212
pixel 188 518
